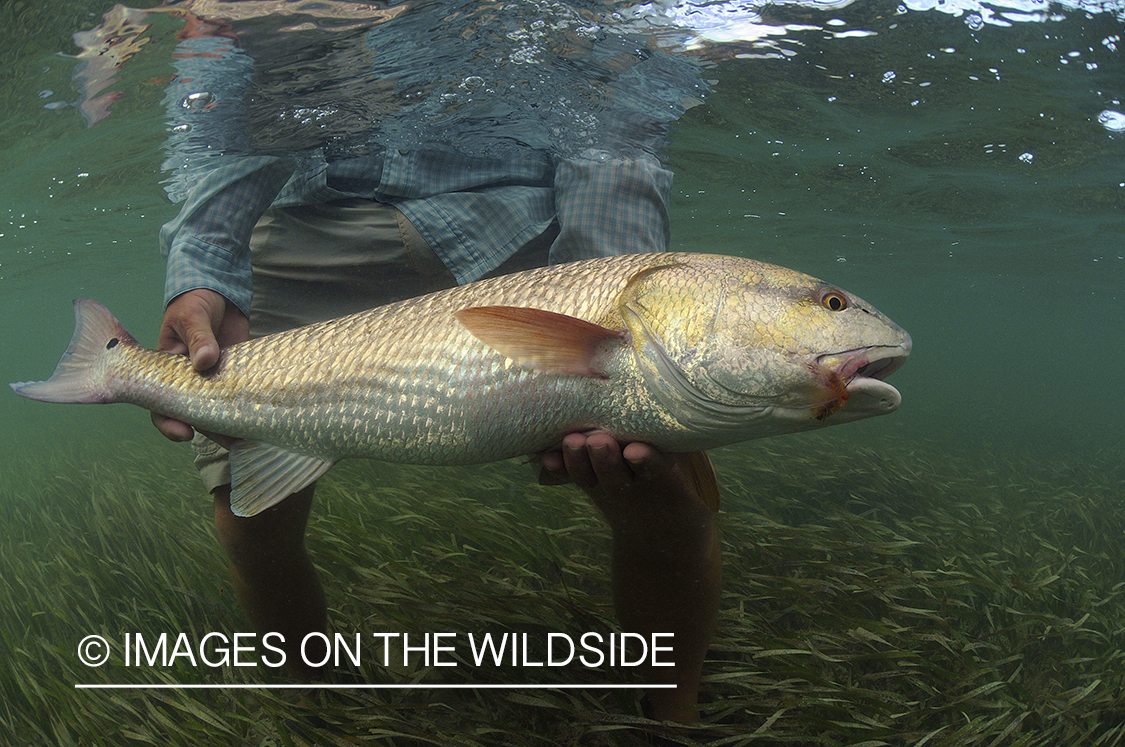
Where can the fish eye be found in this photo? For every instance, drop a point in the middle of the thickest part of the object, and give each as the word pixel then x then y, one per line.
pixel 834 301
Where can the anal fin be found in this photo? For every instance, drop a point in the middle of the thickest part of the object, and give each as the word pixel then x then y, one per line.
pixel 262 475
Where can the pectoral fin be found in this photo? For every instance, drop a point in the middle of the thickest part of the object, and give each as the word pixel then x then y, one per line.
pixel 700 474
pixel 263 475
pixel 540 340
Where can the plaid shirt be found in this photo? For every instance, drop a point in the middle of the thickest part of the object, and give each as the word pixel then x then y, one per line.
pixel 474 213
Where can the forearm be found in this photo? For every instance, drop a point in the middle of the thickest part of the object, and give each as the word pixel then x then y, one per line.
pixel 208 243
pixel 611 205
pixel 224 190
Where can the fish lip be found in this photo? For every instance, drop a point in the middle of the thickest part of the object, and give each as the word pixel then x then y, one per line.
pixel 855 379
pixel 868 362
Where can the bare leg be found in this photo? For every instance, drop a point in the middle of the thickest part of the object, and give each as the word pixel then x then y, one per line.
pixel 666 557
pixel 272 574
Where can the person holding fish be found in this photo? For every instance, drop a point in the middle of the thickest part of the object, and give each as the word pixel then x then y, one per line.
pixel 296 211
pixel 403 175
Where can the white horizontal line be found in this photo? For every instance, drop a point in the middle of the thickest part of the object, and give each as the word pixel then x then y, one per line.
pixel 411 686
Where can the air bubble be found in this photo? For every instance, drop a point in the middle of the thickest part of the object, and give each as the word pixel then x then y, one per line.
pixel 1112 121
pixel 200 100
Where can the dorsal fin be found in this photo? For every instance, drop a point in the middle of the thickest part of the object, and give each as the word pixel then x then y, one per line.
pixel 540 340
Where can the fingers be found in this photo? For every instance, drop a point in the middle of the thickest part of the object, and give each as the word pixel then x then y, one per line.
pixel 571 462
pixel 646 462
pixel 551 468
pixel 197 322
pixel 174 430
pixel 581 452
pixel 597 460
pixel 188 328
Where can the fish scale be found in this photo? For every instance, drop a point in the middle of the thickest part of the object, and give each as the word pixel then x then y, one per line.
pixel 302 387
pixel 686 351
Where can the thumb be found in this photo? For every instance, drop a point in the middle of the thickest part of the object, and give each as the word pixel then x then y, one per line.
pixel 203 348
pixel 190 322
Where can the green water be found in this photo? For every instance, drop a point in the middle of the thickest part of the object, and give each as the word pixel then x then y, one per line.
pixel 894 164
pixel 1008 274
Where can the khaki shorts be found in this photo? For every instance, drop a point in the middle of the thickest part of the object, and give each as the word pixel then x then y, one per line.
pixel 319 262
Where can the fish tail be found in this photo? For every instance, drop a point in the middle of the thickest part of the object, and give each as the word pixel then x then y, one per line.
pixel 83 374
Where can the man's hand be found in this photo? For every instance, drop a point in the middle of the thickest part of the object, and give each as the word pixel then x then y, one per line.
pixel 596 459
pixel 666 564
pixel 622 479
pixel 198 323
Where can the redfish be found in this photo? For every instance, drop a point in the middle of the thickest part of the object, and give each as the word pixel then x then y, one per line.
pixel 684 351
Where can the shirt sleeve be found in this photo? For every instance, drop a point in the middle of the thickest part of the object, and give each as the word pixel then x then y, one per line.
pixel 610 205
pixel 224 189
pixel 208 243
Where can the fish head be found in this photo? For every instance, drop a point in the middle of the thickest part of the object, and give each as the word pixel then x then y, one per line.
pixel 743 349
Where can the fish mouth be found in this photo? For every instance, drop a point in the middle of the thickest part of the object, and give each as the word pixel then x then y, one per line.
pixel 862 372
pixel 872 362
